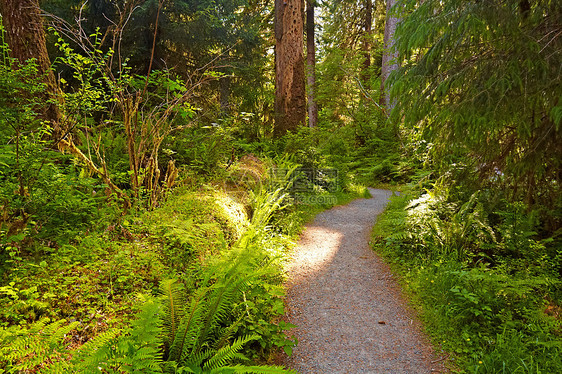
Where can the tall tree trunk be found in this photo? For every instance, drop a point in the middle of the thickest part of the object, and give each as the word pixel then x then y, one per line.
pixel 26 37
pixel 290 89
pixel 311 65
pixel 367 29
pixel 389 63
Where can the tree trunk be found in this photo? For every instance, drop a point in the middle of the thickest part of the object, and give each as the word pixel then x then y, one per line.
pixel 367 28
pixel 390 56
pixel 290 89
pixel 26 38
pixel 311 65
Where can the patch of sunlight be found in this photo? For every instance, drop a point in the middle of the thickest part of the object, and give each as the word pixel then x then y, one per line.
pixel 311 256
pixel 233 211
pixel 422 205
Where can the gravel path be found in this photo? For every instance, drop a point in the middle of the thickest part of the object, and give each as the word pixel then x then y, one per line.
pixel 350 315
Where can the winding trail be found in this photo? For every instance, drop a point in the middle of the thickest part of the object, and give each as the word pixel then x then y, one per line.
pixel 349 311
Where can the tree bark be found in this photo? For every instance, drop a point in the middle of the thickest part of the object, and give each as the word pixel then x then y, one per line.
pixel 311 64
pixel 290 89
pixel 367 29
pixel 26 38
pixel 389 58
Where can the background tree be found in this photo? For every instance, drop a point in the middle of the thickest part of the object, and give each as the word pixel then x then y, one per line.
pixel 230 36
pixel 481 83
pixel 290 91
pixel 25 36
pixel 390 55
pixel 311 63
pixel 349 65
pixel 367 39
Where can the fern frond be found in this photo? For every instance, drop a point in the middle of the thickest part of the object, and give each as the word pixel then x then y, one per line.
pixel 96 350
pixel 134 350
pixel 254 370
pixel 225 334
pixel 227 354
pixel 188 331
pixel 173 294
pixel 60 367
pixel 218 304
pixel 195 361
pixel 144 339
pixel 147 324
pixel 40 346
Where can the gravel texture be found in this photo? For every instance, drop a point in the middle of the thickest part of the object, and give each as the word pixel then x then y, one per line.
pixel 350 314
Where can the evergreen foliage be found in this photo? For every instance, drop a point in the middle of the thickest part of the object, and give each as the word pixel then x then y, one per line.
pixel 480 81
pixel 190 37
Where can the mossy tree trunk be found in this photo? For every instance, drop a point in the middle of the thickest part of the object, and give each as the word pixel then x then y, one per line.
pixel 389 63
pixel 290 89
pixel 367 29
pixel 26 38
pixel 311 64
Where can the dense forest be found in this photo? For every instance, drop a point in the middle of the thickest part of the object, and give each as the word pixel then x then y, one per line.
pixel 158 159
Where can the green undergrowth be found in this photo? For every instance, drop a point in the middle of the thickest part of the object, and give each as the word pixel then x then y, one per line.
pixel 487 286
pixel 192 286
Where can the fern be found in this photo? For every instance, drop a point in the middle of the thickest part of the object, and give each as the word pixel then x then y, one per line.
pixel 146 341
pixel 174 301
pixel 215 361
pixel 188 329
pixel 192 331
pixel 136 350
pixel 96 350
pixel 201 341
pixel 40 346
pixel 227 354
pixel 225 334
pixel 208 308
